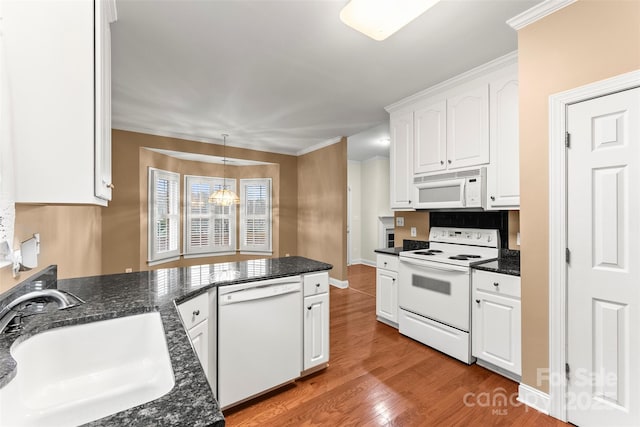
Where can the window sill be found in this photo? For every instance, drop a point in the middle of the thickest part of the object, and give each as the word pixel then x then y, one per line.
pixel 208 254
pixel 162 261
pixel 269 253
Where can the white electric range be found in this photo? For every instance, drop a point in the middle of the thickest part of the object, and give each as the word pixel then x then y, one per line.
pixel 434 288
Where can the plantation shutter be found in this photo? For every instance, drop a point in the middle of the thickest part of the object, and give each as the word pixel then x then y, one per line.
pixel 209 228
pixel 255 215
pixel 164 215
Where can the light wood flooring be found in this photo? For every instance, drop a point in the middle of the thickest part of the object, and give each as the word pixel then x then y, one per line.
pixel 377 377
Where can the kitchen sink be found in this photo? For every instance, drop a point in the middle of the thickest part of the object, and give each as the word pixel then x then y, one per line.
pixel 76 374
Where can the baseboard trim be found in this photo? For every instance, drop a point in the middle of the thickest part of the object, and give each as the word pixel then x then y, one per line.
pixel 341 284
pixel 534 398
pixel 364 262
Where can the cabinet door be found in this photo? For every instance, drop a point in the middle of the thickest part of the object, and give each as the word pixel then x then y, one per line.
pixel 387 295
pixel 316 330
pixel 104 16
pixel 401 155
pixel 468 128
pixel 199 335
pixel 430 142
pixel 496 330
pixel 503 177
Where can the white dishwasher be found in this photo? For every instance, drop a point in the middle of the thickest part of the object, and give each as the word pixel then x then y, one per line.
pixel 259 337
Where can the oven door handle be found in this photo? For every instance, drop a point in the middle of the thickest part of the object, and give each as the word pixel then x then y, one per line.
pixel 449 268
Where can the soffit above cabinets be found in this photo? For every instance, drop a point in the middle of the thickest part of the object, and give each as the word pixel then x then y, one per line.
pixel 283 76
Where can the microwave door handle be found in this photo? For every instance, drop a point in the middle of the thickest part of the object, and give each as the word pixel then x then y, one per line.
pixel 463 193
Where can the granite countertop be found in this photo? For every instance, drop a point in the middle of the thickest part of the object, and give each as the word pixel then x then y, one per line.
pixel 407 245
pixel 507 263
pixel 191 401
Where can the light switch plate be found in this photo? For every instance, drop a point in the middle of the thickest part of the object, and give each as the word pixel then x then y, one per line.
pixel 400 221
pixel 414 232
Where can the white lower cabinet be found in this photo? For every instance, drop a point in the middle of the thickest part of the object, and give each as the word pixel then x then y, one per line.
pixel 316 320
pixel 387 289
pixel 496 323
pixel 198 318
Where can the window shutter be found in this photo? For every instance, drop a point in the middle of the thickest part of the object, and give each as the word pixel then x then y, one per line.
pixel 164 215
pixel 255 215
pixel 209 229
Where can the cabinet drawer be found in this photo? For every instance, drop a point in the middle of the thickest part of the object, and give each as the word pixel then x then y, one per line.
pixel 316 283
pixel 502 284
pixel 388 262
pixel 194 310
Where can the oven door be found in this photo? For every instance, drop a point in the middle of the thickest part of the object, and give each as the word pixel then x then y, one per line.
pixel 440 194
pixel 435 290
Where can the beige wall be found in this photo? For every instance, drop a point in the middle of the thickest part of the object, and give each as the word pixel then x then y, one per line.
pixel 418 219
pixel 70 236
pixel 582 43
pixel 322 207
pixel 124 222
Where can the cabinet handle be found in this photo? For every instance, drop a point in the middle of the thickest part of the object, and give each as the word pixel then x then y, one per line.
pixel 496 284
pixel 309 307
pixel 442 162
pixel 196 312
pixel 385 263
pixel 478 301
pixel 409 201
pixel 317 285
pixel 393 280
pixel 111 186
pixel 493 199
pixel 449 161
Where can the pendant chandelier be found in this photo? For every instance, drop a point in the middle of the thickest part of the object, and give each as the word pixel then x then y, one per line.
pixel 224 196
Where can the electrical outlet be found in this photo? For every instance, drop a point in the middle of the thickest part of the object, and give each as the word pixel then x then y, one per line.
pixel 400 221
pixel 414 232
pixel 128 270
pixel 286 254
pixel 518 238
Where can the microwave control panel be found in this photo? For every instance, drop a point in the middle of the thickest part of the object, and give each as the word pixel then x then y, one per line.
pixel 473 193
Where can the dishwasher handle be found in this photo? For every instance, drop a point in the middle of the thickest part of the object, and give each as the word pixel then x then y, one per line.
pixel 259 292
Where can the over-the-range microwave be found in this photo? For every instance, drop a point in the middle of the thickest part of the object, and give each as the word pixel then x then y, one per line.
pixel 453 190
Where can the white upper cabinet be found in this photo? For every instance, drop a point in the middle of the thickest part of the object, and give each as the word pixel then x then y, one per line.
pixel 468 128
pixel 503 175
pixel 58 65
pixel 430 138
pixel 401 155
pixel 468 121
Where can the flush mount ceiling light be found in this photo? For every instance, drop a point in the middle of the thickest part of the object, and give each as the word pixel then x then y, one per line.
pixel 379 19
pixel 224 196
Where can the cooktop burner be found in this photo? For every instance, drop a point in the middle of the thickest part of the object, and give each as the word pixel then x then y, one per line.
pixel 459 257
pixel 429 252
pixel 469 256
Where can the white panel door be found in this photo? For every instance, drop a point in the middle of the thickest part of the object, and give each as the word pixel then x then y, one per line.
pixel 496 330
pixel 604 269
pixel 387 294
pixel 199 335
pixel 468 128
pixel 401 155
pixel 430 138
pixel 316 330
pixel 503 176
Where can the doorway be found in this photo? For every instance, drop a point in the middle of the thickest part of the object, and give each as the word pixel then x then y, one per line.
pixel 594 282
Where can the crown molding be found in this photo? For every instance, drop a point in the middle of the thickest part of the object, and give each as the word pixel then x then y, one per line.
pixel 537 12
pixel 494 65
pixel 318 146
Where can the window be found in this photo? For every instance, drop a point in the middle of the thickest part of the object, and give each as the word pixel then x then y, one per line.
pixel 209 228
pixel 255 215
pixel 164 215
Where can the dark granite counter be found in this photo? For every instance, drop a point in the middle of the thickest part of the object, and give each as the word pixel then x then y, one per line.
pixel 407 245
pixel 191 401
pixel 507 263
pixel 389 251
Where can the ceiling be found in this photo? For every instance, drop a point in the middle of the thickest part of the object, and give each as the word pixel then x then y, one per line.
pixel 285 76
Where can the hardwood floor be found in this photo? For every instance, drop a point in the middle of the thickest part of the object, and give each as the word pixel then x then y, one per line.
pixel 377 377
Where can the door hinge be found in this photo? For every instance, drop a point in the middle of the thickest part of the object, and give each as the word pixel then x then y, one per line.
pixel 568 255
pixel 567 370
pixel 567 140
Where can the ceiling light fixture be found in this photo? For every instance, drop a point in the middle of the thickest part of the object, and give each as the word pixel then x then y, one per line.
pixel 379 19
pixel 224 196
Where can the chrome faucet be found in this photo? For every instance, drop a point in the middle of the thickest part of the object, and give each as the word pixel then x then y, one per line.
pixel 64 300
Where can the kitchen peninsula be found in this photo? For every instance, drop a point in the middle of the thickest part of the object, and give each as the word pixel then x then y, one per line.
pixel 191 401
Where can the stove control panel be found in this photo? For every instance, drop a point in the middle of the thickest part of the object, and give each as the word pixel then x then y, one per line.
pixel 465 236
